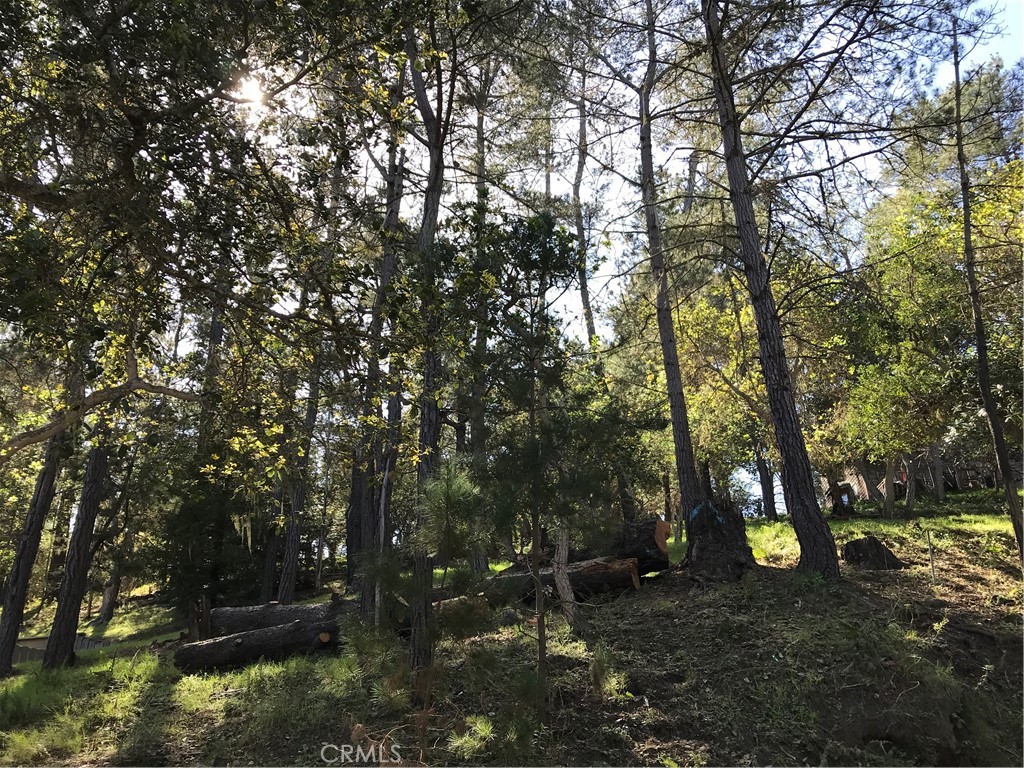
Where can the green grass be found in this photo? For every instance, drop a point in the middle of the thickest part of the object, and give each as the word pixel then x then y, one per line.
pixel 142 622
pixel 974 518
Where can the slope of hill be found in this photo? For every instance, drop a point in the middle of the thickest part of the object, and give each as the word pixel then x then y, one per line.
pixel 883 668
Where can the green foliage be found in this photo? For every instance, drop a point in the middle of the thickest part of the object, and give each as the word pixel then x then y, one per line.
pixel 453 523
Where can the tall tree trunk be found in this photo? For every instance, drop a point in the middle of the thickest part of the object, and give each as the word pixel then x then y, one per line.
pixel 300 484
pixel 269 566
pixel 435 111
pixel 627 498
pixel 477 445
pixel 889 487
pixel 817 547
pixel 686 473
pixel 938 472
pixel 60 647
pixel 996 423
pixel 539 614
pixel 26 548
pixel 370 499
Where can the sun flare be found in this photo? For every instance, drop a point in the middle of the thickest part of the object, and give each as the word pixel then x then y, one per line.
pixel 251 90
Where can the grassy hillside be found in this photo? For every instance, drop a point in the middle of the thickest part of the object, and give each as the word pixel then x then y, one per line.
pixel 884 668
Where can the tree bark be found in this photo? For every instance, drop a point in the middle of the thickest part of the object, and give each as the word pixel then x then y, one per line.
pixel 60 647
pixel 996 423
pixel 26 548
pixel 817 547
pixel 562 583
pixel 245 647
pixel 269 565
pixel 767 480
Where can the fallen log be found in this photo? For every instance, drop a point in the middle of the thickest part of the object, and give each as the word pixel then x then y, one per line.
pixel 231 620
pixel 647 541
pixel 587 578
pixel 246 647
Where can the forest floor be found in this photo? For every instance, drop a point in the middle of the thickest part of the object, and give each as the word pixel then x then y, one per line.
pixel 882 668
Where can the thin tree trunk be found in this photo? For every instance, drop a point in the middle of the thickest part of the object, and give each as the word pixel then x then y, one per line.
pixel 582 257
pixel 539 613
pixel 627 498
pixel 938 472
pixel 817 547
pixel 562 583
pixel 996 424
pixel 16 592
pixel 666 492
pixel 435 112
pixel 889 488
pixel 686 474
pixel 60 647
pixel 269 566
pixel 767 480
pixel 477 446
pixel 325 499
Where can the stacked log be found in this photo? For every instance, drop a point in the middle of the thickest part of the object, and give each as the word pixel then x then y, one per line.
pixel 242 648
pixel 230 620
pixel 271 631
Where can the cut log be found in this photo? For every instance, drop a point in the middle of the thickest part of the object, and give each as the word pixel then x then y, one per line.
pixel 228 621
pixel 871 554
pixel 246 647
pixel 647 541
pixel 587 578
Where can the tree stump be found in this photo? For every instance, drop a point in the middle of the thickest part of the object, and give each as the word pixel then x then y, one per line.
pixel 716 543
pixel 871 554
